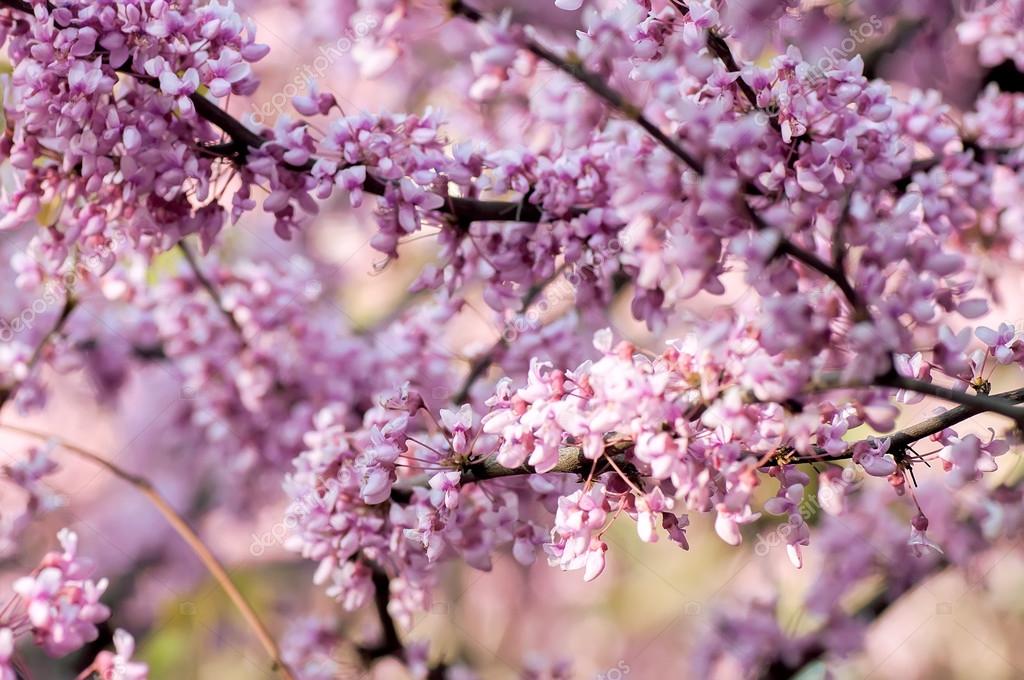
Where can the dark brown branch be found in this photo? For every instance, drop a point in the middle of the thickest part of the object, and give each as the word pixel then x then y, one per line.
pixel 936 424
pixel 720 48
pixel 979 402
pixel 901 439
pixel 390 643
pixel 153 352
pixel 572 461
pixel 463 210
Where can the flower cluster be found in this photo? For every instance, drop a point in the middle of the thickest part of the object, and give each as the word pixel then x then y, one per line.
pixel 30 473
pixel 62 604
pixel 59 604
pixel 118 665
pixel 358 507
pixel 995 28
pixel 104 155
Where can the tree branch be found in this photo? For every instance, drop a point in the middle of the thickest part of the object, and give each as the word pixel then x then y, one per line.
pixel 980 402
pixel 572 461
pixel 595 84
pixel 390 643
pixel 901 439
pixel 210 289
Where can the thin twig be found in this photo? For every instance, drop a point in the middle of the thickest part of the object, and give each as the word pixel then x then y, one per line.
pixel 595 84
pixel 979 402
pixel 181 526
pixel 210 289
pixel 9 392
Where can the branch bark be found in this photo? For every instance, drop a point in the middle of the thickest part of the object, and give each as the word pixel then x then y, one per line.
pixel 980 402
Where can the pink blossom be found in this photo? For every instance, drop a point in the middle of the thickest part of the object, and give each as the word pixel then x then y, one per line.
pixel 62 605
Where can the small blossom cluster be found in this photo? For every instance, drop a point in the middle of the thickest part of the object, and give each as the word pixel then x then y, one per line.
pixel 29 473
pixel 59 605
pixel 118 665
pixel 62 604
pixel 365 511
pixel 312 649
pixel 995 28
